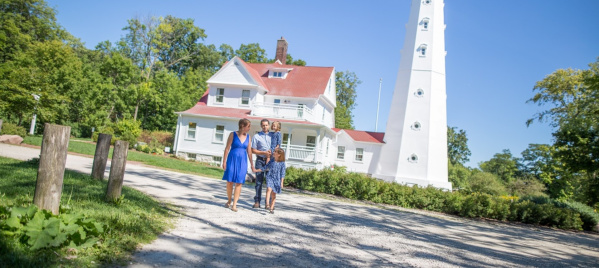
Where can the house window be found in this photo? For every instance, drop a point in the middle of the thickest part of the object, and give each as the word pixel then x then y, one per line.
pixel 277 74
pixel 359 154
pixel 300 110
pixel 327 150
pixel 220 95
pixel 285 138
pixel 191 156
pixel 276 108
pixel 340 152
pixel 219 133
pixel 311 141
pixel 245 97
pixel 191 131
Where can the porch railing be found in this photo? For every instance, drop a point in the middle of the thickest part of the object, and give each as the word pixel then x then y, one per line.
pixel 303 153
pixel 288 111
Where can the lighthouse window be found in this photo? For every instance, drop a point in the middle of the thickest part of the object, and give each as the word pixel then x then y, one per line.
pixel 413 158
pixel 427 2
pixel 423 51
pixel 416 126
pixel 425 24
pixel 419 93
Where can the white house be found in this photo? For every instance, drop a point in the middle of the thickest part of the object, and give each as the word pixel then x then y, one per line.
pixel 302 98
pixel 412 151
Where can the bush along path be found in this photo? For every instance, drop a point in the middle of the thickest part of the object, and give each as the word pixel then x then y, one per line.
pixel 309 231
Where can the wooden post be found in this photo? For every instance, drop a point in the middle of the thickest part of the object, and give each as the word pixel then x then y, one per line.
pixel 117 170
pixel 50 173
pixel 0 125
pixel 101 156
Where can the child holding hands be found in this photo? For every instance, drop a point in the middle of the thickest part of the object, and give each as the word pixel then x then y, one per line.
pixel 275 178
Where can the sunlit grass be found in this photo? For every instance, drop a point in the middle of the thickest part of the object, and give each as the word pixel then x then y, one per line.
pixel 82 147
pixel 137 219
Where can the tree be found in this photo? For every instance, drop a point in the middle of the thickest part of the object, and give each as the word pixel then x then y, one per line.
pixel 502 164
pixel 484 182
pixel 346 84
pixel 158 43
pixel 251 53
pixel 457 146
pixel 458 175
pixel 573 100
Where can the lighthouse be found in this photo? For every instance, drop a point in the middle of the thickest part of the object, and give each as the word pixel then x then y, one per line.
pixel 415 149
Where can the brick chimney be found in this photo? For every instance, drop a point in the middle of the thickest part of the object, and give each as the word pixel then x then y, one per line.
pixel 282 50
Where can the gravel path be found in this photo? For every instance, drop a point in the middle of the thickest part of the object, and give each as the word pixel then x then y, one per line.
pixel 319 231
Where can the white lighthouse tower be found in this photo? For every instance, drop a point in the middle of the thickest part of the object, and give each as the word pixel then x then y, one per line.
pixel 415 150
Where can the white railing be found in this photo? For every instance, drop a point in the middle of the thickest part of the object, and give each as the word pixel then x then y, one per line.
pixel 288 111
pixel 303 153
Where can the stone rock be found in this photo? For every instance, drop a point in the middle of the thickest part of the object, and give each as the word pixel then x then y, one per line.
pixel 11 139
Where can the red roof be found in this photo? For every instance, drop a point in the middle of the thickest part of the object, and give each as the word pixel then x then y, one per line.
pixel 202 109
pixel 301 81
pixel 364 136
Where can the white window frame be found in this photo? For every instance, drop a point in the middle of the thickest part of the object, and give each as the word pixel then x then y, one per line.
pixel 340 152
pixel 189 130
pixel 245 98
pixel 284 139
pixel 359 155
pixel 219 132
pixel 220 93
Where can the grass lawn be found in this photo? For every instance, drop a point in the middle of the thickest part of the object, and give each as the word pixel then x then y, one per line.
pixel 136 219
pixel 79 146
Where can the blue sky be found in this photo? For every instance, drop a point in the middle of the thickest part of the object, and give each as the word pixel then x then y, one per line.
pixel 496 50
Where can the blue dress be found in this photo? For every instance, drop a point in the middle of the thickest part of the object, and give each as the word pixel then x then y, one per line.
pixel 276 140
pixel 274 176
pixel 237 163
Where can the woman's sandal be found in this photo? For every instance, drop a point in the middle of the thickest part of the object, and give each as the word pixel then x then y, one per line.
pixel 234 209
pixel 272 211
pixel 267 207
pixel 227 205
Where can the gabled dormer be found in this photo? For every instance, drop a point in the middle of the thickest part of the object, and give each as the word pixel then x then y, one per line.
pixel 278 72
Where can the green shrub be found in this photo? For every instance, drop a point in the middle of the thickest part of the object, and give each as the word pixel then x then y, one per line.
pixel 12 129
pixel 589 217
pixel 104 130
pixel 128 130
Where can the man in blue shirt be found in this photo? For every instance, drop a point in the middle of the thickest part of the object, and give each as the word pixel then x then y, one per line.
pixel 261 148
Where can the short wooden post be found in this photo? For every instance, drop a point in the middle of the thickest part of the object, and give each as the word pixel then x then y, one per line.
pixel 117 170
pixel 50 172
pixel 101 156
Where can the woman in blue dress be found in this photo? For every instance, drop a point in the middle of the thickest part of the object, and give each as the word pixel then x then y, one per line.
pixel 235 159
pixel 275 178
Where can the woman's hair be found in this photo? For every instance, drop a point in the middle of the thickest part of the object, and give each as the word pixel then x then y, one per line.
pixel 281 153
pixel 244 123
pixel 277 124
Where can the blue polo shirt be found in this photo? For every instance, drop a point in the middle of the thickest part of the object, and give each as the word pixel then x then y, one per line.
pixel 261 141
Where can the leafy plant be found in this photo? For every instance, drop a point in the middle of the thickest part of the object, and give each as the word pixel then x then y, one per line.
pixel 41 229
pixel 12 129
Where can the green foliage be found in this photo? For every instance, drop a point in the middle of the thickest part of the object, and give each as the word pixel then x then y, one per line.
pixel 346 84
pixel 12 129
pixel 504 165
pixel 251 53
pixel 572 97
pixel 458 175
pixel 526 187
pixel 137 220
pixel 484 182
pixel 128 130
pixel 462 203
pixel 42 229
pixel 457 146
pixel 589 217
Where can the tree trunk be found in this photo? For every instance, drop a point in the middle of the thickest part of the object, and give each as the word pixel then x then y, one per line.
pixel 0 125
pixel 101 156
pixel 135 114
pixel 50 173
pixel 117 170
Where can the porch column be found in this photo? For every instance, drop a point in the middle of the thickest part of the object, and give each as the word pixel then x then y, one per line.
pixel 317 147
pixel 287 151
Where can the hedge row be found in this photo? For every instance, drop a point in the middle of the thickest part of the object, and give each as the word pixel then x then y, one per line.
pixel 472 205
